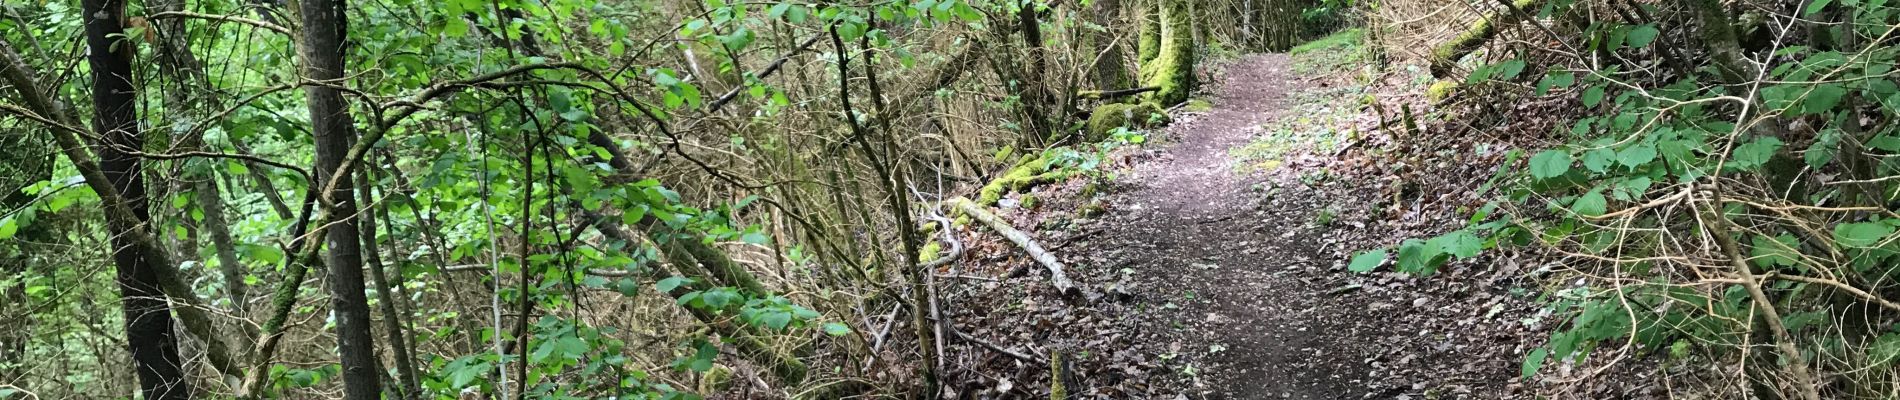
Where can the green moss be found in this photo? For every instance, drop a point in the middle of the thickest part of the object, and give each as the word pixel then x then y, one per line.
pixel 1172 69
pixel 1005 153
pixel 1029 201
pixel 1107 117
pixel 1446 55
pixel 931 251
pixel 716 380
pixel 1091 209
pixel 1440 90
pixel 1058 390
pixel 1148 44
pixel 1198 105
pixel 1030 171
pixel 1026 168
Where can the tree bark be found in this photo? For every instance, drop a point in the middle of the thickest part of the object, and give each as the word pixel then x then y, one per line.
pixel 1172 68
pixel 1148 42
pixel 148 321
pixel 392 315
pixel 325 26
pixel 1110 68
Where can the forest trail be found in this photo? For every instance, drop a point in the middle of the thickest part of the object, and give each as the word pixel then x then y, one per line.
pixel 1235 263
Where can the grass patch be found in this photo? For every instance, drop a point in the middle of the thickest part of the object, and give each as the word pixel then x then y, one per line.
pixel 1336 52
pixel 1352 38
pixel 1312 125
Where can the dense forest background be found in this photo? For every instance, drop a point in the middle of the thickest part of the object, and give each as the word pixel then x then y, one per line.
pixel 728 199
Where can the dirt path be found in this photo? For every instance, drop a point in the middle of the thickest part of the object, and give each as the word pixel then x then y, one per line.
pixel 1233 271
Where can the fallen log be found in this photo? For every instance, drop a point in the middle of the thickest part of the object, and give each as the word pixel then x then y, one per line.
pixel 1445 56
pixel 1022 241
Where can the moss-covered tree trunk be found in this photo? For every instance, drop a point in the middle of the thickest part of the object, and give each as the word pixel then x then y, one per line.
pixel 1172 68
pixel 1147 15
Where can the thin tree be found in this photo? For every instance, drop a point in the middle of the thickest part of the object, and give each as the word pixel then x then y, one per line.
pixel 325 25
pixel 148 320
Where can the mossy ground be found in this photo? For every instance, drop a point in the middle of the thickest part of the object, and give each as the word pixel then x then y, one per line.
pixel 1105 118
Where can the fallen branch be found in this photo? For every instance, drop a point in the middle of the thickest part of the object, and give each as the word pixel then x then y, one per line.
pixel 998 348
pixel 1110 94
pixel 1022 240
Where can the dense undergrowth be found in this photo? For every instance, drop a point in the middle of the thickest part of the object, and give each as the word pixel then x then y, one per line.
pixel 1714 192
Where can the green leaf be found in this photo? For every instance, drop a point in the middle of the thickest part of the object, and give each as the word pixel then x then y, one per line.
pixel 1815 7
pixel 1462 244
pixel 1636 155
pixel 1417 257
pixel 1550 164
pixel 461 377
pixel 1508 70
pixel 1884 351
pixel 1592 96
pixel 755 237
pixel 1642 35
pixel 1774 251
pixel 1367 261
pixel 270 255
pixel 1861 234
pixel 1823 98
pixel 1598 160
pixel 8 227
pixel 1754 154
pixel 1590 204
pixel 776 320
pixel 836 329
pixel 667 285
pixel 627 287
pixel 1555 80
pixel 571 347
pixel 1534 362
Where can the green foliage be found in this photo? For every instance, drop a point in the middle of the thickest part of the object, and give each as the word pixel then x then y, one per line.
pixel 1631 195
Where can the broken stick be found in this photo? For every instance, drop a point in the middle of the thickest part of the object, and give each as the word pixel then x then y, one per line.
pixel 1022 240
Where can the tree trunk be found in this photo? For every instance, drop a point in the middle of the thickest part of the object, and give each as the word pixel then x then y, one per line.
pixel 1172 69
pixel 1110 68
pixel 392 315
pixel 324 28
pixel 1718 33
pixel 148 321
pixel 1148 44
